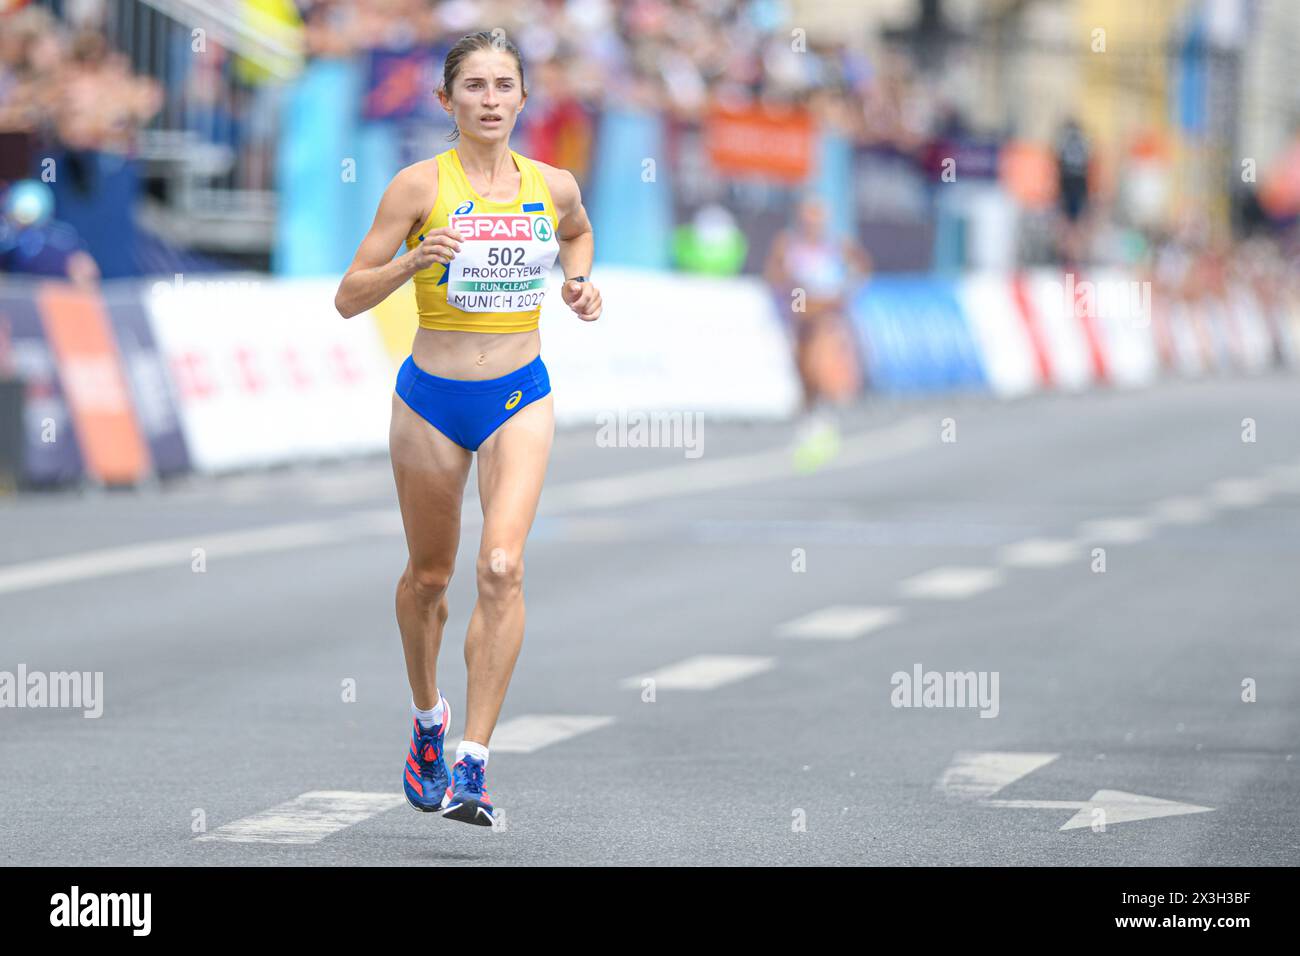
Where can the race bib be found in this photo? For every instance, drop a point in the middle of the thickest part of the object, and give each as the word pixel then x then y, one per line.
pixel 503 262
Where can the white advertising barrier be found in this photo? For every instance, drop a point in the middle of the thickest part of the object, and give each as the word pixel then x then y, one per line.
pixel 1285 312
pixel 1255 339
pixel 266 371
pixel 999 331
pixel 1192 352
pixel 1062 332
pixel 670 343
pixel 1226 333
pixel 1121 310
pixel 1275 324
pixel 1225 343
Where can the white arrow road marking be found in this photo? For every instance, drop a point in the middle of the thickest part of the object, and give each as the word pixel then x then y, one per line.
pixel 530 732
pixel 1039 552
pixel 982 774
pixel 308 818
pixel 704 672
pixel 977 775
pixel 1117 805
pixel 951 583
pixel 1115 530
pixel 839 623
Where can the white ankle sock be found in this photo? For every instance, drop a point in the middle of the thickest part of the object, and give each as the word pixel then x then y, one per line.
pixel 428 718
pixel 471 749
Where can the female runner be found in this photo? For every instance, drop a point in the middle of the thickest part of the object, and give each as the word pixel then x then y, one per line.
pixel 483 226
pixel 827 268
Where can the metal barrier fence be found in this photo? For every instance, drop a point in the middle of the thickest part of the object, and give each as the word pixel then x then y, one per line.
pixel 209 153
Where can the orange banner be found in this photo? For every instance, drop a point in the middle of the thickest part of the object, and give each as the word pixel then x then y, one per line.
pixel 753 141
pixel 77 327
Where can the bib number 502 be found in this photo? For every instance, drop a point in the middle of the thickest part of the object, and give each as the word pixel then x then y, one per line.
pixel 505 256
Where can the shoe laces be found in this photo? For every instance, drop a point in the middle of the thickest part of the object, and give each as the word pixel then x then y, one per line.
pixel 430 750
pixel 469 776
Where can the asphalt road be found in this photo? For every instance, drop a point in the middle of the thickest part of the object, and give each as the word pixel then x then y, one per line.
pixel 776 741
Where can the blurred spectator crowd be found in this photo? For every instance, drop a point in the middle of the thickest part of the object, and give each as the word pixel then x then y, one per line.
pixel 62 84
pixel 671 57
pixel 67 84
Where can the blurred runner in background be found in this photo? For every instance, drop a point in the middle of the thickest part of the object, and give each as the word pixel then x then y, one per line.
pixel 1073 158
pixel 813 273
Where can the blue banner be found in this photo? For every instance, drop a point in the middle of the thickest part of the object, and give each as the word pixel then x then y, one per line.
pixel 156 407
pixel 400 84
pixel 317 228
pixel 914 336
pixel 631 215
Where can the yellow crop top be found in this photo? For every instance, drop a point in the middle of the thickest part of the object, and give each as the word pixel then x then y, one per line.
pixel 497 280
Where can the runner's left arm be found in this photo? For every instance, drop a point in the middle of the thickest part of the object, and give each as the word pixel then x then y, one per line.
pixel 577 245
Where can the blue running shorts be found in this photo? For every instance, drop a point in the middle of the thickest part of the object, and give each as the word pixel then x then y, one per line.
pixel 468 411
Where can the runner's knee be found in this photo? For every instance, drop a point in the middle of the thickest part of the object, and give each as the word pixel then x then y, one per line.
pixel 500 573
pixel 428 584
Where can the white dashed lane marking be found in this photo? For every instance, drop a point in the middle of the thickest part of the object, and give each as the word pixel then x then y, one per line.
pixel 951 583
pixel 839 623
pixel 530 732
pixel 704 672
pixel 308 818
pixel 1284 478
pixel 1115 530
pixel 1182 510
pixel 1240 492
pixel 1040 552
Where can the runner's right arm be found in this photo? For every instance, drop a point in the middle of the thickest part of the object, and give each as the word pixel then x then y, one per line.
pixel 374 273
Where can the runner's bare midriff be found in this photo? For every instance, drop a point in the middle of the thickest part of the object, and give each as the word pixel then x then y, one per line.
pixel 474 355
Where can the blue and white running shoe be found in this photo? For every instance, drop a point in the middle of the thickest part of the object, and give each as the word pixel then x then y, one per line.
pixel 425 778
pixel 466 800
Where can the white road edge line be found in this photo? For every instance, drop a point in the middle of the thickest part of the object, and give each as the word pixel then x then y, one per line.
pixel 177 552
pixel 888 442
